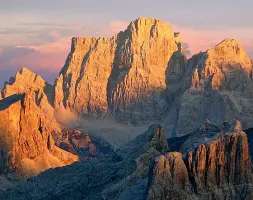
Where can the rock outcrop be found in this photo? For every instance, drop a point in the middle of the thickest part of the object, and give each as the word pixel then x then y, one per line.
pixel 32 139
pixel 85 146
pixel 218 168
pixel 27 146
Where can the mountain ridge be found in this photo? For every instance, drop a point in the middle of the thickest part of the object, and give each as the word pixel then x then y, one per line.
pixel 145 78
pixel 136 78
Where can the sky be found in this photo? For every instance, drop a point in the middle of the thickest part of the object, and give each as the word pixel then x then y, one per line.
pixel 37 33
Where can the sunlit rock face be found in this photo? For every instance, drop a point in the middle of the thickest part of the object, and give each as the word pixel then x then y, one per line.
pixel 27 146
pixel 31 138
pixel 123 77
pixel 220 88
pixel 141 76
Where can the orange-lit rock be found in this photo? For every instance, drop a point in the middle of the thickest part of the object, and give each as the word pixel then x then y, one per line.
pixel 123 76
pixel 27 146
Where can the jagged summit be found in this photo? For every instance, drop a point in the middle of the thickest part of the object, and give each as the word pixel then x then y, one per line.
pixel 228 42
pixel 25 70
pixel 225 74
pixel 230 49
pixel 145 24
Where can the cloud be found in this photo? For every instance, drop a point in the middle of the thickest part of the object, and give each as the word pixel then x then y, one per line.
pixel 17 52
pixel 116 26
pixel 44 47
pixel 187 50
pixel 46 64
pixel 108 29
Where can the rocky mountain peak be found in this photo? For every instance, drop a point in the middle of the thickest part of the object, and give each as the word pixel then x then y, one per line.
pixel 230 49
pixel 229 43
pixel 24 81
pixel 220 80
pixel 131 79
pixel 150 28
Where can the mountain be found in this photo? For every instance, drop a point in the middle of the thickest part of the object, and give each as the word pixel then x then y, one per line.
pixel 220 88
pixel 27 146
pixel 85 146
pixel 213 163
pixel 141 76
pixel 122 77
pixel 145 168
pixel 31 138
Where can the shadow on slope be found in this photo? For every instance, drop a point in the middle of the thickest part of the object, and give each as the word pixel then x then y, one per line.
pixel 7 102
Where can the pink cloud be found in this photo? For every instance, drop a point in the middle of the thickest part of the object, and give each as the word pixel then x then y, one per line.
pixel 53 54
pixel 55 34
pixel 60 45
pixel 117 26
pixel 113 28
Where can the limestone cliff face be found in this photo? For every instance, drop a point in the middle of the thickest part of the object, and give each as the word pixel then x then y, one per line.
pixel 27 146
pixel 123 76
pixel 141 75
pixel 23 82
pixel 220 88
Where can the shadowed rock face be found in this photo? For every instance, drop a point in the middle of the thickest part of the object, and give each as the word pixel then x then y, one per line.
pixel 249 133
pixel 85 146
pixel 217 169
pixel 95 179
